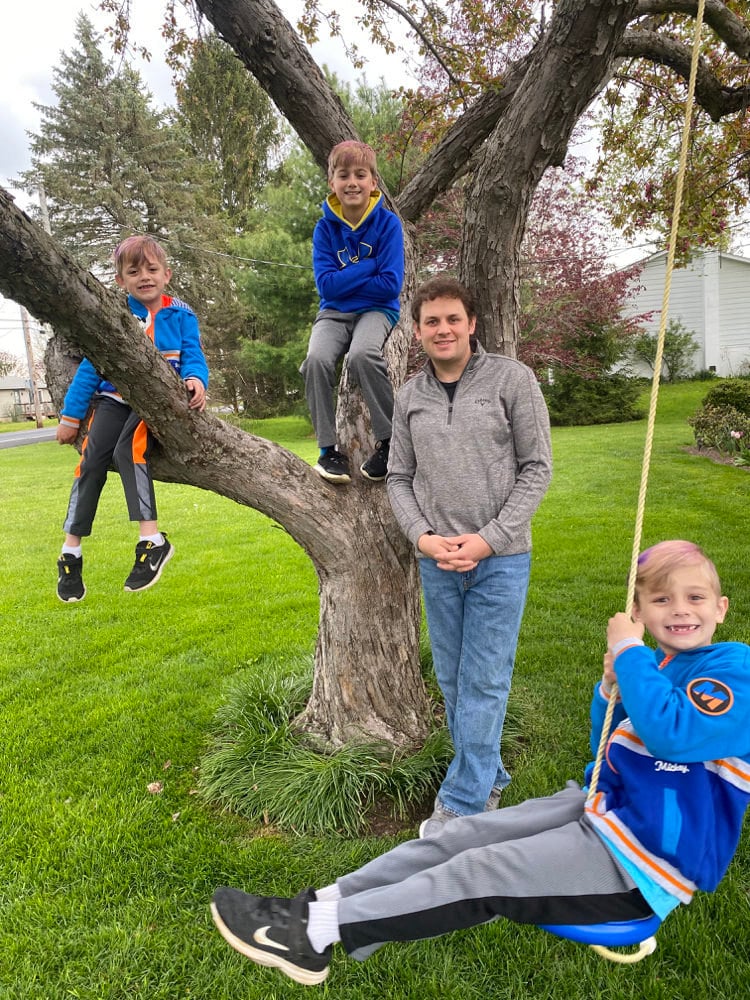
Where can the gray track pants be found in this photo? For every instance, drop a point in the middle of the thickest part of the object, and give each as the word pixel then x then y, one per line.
pixel 538 862
pixel 362 336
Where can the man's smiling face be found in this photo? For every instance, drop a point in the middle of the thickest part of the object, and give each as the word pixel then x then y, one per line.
pixel 445 331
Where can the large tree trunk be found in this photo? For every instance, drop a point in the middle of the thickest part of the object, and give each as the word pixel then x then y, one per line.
pixel 567 68
pixel 367 684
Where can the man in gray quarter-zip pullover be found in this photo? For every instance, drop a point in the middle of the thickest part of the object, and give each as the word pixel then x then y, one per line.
pixel 470 462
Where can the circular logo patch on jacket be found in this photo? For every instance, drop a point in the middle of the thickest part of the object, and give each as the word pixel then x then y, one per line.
pixel 709 696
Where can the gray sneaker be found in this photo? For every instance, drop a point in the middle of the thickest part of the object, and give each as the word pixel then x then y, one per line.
pixel 493 800
pixel 434 824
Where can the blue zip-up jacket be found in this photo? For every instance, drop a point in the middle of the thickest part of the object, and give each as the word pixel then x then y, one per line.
pixel 359 268
pixel 176 335
pixel 675 784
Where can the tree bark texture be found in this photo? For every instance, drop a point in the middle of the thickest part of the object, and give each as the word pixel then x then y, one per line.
pixel 567 68
pixel 276 56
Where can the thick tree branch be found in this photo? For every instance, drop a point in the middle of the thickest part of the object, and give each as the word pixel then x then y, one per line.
pixel 716 100
pixel 276 56
pixel 449 158
pixel 195 448
pixel 734 32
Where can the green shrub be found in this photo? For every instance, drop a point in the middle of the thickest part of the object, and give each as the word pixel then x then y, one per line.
pixel 258 766
pixel 724 428
pixel 680 345
pixel 607 399
pixel 730 392
pixel 723 419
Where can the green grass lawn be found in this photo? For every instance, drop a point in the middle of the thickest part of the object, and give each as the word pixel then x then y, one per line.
pixel 24 425
pixel 104 886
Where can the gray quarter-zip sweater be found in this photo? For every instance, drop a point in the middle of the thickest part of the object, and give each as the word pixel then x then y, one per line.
pixel 477 465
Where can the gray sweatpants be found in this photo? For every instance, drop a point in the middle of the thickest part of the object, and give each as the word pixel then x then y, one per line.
pixel 362 336
pixel 537 862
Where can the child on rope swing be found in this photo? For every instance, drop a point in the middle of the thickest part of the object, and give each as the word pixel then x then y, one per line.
pixel 664 822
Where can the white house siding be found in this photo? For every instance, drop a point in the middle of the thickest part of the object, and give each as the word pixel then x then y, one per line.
pixel 734 346
pixel 711 298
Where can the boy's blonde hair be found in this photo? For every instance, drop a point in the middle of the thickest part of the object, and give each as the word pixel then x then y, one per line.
pixel 657 563
pixel 136 249
pixel 349 153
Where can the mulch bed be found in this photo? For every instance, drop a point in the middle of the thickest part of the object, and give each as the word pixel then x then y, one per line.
pixel 714 456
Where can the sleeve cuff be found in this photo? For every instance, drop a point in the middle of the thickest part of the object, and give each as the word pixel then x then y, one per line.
pixel 623 644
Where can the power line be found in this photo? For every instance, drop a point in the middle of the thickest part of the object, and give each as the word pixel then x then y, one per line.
pixel 248 260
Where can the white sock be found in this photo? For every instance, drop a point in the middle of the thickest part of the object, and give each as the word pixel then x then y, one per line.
pixel 73 550
pixel 323 924
pixel 157 539
pixel 328 893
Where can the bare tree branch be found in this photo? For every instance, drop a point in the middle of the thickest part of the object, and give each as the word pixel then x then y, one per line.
pixel 733 31
pixel 416 28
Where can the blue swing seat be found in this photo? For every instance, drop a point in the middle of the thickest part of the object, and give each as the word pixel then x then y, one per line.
pixel 611 935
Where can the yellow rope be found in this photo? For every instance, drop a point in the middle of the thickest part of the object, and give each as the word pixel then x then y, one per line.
pixel 607 725
pixel 648 946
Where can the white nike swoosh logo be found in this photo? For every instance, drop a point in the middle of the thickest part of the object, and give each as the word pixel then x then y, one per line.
pixel 261 937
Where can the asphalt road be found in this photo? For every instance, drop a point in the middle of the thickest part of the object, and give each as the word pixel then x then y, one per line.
pixel 14 439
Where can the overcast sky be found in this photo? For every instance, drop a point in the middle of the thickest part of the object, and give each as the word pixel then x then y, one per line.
pixel 33 35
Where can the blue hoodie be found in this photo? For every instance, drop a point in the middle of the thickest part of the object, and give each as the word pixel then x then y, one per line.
pixel 176 335
pixel 675 783
pixel 359 268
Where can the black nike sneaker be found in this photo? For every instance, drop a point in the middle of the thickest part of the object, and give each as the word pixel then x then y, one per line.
pixel 150 560
pixel 271 931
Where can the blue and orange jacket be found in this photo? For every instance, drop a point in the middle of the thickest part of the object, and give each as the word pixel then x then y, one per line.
pixel 675 784
pixel 359 268
pixel 176 335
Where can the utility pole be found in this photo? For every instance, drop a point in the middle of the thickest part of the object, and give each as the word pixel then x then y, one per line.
pixel 43 209
pixel 30 362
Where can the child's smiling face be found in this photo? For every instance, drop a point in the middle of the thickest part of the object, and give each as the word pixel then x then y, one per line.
pixel 683 612
pixel 145 280
pixel 353 184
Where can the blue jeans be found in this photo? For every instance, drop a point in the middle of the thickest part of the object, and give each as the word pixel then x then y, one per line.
pixel 474 619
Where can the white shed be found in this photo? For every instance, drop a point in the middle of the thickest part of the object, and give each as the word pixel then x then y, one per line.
pixel 711 298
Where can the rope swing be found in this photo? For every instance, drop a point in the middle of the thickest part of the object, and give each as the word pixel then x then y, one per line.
pixel 602 937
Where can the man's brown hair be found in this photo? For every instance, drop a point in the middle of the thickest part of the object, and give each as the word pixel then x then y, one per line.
pixel 442 287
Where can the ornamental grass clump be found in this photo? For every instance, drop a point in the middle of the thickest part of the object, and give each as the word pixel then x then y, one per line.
pixel 259 766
